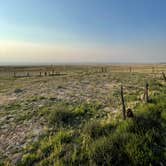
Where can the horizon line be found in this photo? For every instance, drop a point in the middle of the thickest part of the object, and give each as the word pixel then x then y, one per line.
pixel 13 64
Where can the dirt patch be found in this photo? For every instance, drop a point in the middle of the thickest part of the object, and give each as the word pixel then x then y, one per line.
pixel 6 99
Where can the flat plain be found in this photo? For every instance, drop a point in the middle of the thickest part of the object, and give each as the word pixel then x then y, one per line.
pixel 72 115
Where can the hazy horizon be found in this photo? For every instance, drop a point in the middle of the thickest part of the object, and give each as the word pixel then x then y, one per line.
pixel 17 64
pixel 62 31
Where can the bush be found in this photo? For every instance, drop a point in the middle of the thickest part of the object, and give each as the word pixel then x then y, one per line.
pixel 60 116
pixel 95 129
pixel 109 150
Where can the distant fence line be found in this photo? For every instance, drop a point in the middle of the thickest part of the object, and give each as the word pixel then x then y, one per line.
pixel 62 70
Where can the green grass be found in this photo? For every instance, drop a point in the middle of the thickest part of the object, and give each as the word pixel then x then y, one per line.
pixel 138 141
pixel 49 148
pixel 79 135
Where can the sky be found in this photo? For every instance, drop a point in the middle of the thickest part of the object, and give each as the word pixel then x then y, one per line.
pixel 80 31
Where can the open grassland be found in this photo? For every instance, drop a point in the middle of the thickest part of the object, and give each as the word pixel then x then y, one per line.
pixel 72 115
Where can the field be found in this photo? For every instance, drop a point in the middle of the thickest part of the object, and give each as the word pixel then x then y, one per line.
pixel 72 115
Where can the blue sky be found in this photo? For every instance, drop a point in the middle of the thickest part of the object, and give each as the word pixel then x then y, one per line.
pixel 82 30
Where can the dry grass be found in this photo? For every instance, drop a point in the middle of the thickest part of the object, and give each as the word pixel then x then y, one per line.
pixel 85 92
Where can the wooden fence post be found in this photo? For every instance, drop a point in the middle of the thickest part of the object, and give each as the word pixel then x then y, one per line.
pixel 164 77
pixel 102 69
pixel 130 69
pixel 123 103
pixel 28 74
pixel 53 72
pixel 14 74
pixel 146 92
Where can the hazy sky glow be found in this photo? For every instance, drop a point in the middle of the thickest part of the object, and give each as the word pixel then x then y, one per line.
pixel 52 31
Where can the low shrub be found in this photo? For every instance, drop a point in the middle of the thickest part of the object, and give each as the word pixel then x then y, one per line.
pixel 95 129
pixel 60 116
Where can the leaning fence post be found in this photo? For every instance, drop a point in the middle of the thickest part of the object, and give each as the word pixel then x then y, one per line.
pixel 146 92
pixel 123 103
pixel 164 76
pixel 14 74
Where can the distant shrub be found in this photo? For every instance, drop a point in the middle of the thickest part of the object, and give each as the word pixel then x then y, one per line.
pixel 18 91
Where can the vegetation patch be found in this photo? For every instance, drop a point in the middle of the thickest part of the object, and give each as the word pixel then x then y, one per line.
pixel 79 121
